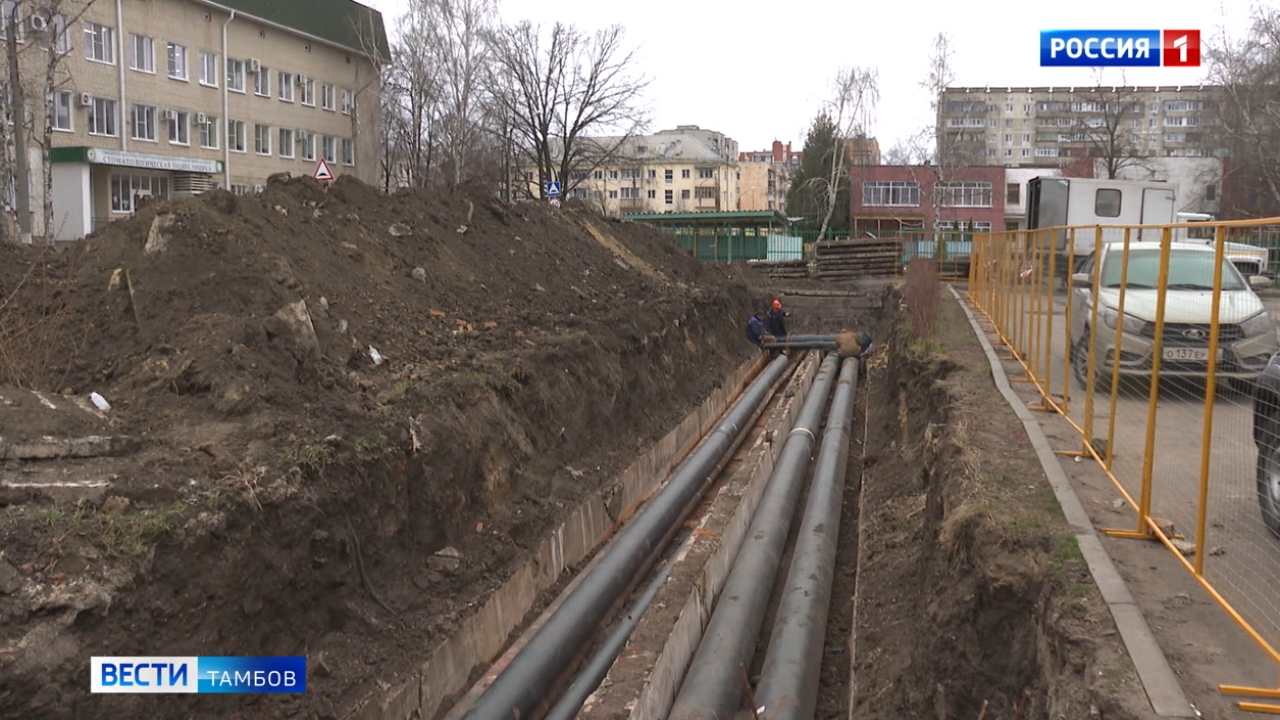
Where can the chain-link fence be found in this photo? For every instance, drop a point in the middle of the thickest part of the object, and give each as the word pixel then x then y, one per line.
pixel 1158 344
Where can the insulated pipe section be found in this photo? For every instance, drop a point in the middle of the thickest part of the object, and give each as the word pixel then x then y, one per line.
pixel 713 687
pixel 788 687
pixel 530 677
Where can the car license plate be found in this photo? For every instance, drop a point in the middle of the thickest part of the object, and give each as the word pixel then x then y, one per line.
pixel 1181 354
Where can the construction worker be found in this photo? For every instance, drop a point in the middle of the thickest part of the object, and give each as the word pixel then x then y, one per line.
pixel 773 321
pixel 755 330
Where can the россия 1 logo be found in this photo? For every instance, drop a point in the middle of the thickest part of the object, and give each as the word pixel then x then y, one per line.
pixel 1119 48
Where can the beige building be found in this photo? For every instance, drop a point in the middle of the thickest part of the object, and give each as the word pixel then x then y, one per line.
pixel 175 97
pixel 687 169
pixel 1058 126
pixel 765 177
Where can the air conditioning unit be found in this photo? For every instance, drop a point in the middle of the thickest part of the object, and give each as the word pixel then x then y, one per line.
pixel 301 80
pixel 86 100
pixel 255 65
pixel 201 118
pixel 38 23
pixel 171 116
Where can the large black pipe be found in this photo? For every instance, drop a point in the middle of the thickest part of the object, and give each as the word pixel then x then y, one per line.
pixel 788 687
pixel 806 345
pixel 713 686
pixel 529 679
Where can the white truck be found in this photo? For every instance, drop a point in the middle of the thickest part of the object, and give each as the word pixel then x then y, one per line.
pixel 1061 202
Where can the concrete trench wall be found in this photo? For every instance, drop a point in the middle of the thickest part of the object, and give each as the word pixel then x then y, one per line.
pixel 482 636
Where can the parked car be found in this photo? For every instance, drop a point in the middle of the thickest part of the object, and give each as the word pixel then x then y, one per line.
pixel 1266 435
pixel 1247 338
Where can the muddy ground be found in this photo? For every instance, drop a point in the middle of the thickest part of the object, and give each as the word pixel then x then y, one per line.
pixel 328 387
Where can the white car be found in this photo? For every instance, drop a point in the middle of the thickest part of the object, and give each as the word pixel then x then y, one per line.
pixel 1246 338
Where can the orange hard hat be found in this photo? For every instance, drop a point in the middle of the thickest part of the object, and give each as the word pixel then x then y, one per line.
pixel 777 304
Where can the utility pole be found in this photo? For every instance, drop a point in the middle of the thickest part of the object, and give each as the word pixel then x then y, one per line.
pixel 22 181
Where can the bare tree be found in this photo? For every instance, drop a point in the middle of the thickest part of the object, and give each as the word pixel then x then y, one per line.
pixel 411 94
pixel 1248 70
pixel 851 109
pixel 1104 125
pixel 553 96
pixel 456 36
pixel 61 17
pixel 954 147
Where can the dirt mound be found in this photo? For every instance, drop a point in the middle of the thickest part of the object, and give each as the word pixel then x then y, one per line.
pixel 330 386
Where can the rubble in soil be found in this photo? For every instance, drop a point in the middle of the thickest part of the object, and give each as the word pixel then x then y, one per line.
pixel 353 412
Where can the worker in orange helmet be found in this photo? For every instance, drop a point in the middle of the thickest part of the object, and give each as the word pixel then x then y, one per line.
pixel 774 322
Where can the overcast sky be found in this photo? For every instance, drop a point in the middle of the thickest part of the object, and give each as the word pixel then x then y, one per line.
pixel 761 72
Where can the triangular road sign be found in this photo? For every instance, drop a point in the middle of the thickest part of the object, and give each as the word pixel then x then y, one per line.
pixel 322 170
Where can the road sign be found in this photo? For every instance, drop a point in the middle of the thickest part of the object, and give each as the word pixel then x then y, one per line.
pixel 322 171
pixel 553 189
pixel 555 202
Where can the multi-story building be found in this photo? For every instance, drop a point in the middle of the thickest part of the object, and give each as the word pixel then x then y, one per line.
pixel 1056 126
pixel 175 97
pixel 862 151
pixel 765 177
pixel 687 169
pixel 1197 181
pixel 888 199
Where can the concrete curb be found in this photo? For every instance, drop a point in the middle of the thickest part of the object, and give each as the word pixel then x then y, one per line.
pixel 1161 685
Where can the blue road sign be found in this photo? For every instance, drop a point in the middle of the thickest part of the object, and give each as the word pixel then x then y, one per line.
pixel 553 189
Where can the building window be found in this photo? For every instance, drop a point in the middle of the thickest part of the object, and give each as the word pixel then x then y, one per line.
pixel 308 91
pixel 653 194
pixel 326 96
pixel 1046 152
pixel 962 194
pixel 262 82
pixel 235 75
pixel 1211 192
pixel 144 122
pixel 177 61
pixel 209 69
pixel 706 173
pixel 891 193
pixel 1106 203
pixel 142 53
pixel 613 194
pixel 348 101
pixel 328 145
pixel 704 193
pixel 1012 194
pixel 99 43
pixel 62 112
pixel 262 139
pixel 102 117
pixel 630 193
pixel 235 135
pixel 668 197
pixel 286 86
pixel 62 43
pixel 1008 152
pixel 348 151
pixel 179 127
pixel 982 226
pixel 653 174
pixel 684 174
pixel 239 189
pixel 125 189
pixel 668 176
pixel 308 146
pixel 286 143
pixel 208 132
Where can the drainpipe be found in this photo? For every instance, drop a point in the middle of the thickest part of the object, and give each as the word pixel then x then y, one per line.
pixel 226 107
pixel 124 103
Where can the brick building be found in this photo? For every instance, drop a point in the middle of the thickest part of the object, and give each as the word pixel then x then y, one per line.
pixel 886 199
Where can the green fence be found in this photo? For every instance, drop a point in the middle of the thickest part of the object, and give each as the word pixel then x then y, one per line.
pixel 730 244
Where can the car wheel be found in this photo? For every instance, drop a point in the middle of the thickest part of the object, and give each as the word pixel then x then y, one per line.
pixel 1080 367
pixel 1269 477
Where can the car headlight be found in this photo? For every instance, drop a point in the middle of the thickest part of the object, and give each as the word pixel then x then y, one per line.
pixel 1257 325
pixel 1132 324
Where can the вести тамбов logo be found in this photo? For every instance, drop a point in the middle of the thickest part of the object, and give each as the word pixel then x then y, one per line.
pixel 1120 48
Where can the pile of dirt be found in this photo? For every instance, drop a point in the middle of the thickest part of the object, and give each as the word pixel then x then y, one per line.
pixel 972 596
pixel 330 386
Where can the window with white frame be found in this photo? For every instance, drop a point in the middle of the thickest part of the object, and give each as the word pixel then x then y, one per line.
pixel 308 91
pixel 127 189
pixel 62 40
pixel 179 127
pixel 235 75
pixel 1046 152
pixel 287 139
pixel 143 120
pixel 208 69
pixel 329 147
pixel 208 132
pixel 962 194
pixel 262 139
pixel 262 82
pixel 99 43
pixel 235 135
pixel 706 173
pixel 62 117
pixel 891 193
pixel 177 59
pixel 285 80
pixel 308 145
pixel 327 97
pixel 102 117
pixel 142 53
pixel 348 101
pixel 348 151
pixel 982 226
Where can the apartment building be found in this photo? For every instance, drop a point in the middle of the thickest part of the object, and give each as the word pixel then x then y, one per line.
pixel 687 169
pixel 765 177
pixel 175 97
pixel 1057 126
pixel 889 199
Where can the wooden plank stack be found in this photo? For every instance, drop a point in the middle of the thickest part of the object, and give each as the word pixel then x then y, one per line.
pixel 863 257
pixel 783 269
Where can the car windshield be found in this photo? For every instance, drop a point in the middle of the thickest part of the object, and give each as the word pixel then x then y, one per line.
pixel 1188 270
